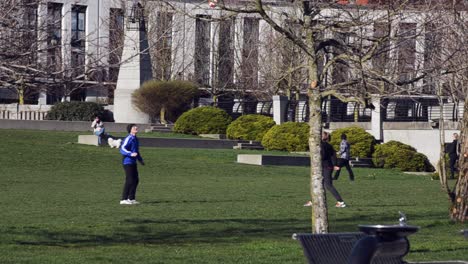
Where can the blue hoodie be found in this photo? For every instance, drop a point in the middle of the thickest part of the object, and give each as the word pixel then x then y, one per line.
pixel 129 146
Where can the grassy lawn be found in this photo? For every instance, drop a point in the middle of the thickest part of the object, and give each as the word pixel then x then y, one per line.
pixel 60 204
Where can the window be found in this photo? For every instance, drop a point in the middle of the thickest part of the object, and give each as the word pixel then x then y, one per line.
pixel 54 36
pixel 249 68
pixel 381 33
pixel 116 39
pixel 164 46
pixel 340 69
pixel 226 53
pixel 406 50
pixel 202 50
pixel 78 31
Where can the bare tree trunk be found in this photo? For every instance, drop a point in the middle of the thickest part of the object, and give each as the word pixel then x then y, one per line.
pixel 441 169
pixel 317 191
pixel 162 115
pixel 459 210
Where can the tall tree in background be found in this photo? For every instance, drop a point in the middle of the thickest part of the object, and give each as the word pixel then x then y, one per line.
pixel 354 49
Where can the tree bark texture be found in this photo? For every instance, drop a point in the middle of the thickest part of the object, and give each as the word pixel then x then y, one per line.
pixel 459 209
pixel 317 191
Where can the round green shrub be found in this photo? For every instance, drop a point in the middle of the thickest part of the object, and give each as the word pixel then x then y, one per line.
pixel 250 127
pixel 203 120
pixel 290 136
pixel 362 143
pixel 394 154
pixel 76 111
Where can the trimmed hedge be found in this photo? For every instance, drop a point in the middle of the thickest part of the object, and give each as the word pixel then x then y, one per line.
pixel 76 111
pixel 394 154
pixel 362 143
pixel 203 120
pixel 250 127
pixel 289 136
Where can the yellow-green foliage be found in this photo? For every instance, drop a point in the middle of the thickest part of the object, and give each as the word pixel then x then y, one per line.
pixel 394 154
pixel 362 143
pixel 289 136
pixel 174 96
pixel 250 127
pixel 203 120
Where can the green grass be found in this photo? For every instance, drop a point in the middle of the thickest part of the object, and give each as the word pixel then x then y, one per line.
pixel 60 205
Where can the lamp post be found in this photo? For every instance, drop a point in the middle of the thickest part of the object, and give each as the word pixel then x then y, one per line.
pixel 136 18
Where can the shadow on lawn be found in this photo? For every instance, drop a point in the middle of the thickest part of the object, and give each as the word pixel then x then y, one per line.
pixel 167 232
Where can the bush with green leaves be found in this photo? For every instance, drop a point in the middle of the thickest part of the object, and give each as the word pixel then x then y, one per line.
pixel 203 120
pixel 164 100
pixel 290 136
pixel 394 154
pixel 250 127
pixel 76 111
pixel 362 143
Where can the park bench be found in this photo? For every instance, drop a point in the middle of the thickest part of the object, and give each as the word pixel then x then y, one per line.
pixel 335 248
pixel 375 244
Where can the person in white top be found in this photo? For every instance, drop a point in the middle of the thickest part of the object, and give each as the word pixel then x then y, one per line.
pixel 98 128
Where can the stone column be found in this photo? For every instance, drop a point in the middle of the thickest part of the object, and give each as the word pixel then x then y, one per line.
pixel 134 70
pixel 376 119
pixel 280 103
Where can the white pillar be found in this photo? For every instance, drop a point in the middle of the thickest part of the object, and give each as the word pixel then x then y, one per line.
pixel 376 119
pixel 135 69
pixel 280 103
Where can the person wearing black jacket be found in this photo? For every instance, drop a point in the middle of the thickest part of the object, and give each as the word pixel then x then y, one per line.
pixel 329 164
pixel 453 150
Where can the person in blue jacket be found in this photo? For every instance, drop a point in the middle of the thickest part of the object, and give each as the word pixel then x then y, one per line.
pixel 131 154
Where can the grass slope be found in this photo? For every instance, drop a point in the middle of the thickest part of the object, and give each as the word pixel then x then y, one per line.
pixel 60 205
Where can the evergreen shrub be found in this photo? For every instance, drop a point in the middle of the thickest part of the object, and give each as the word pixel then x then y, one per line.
pixel 77 111
pixel 250 127
pixel 290 136
pixel 394 154
pixel 362 143
pixel 203 120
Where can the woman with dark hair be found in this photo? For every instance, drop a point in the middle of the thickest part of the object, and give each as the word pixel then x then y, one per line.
pixel 328 165
pixel 131 154
pixel 98 129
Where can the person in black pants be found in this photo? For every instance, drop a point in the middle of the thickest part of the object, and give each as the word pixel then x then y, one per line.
pixel 131 154
pixel 328 165
pixel 344 156
pixel 453 150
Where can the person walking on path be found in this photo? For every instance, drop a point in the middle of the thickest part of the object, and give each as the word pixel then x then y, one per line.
pixel 453 150
pixel 344 156
pixel 131 154
pixel 328 165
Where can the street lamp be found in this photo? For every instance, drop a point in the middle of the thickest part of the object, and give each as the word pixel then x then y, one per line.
pixel 135 18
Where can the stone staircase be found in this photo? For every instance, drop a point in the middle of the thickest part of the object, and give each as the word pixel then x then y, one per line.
pixel 253 145
pixel 162 128
pixel 361 163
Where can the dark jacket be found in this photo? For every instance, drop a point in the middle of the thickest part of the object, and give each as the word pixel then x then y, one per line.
pixel 328 155
pixel 453 149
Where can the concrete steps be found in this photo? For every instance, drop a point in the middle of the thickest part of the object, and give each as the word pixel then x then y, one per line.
pixel 252 145
pixel 361 163
pixel 162 128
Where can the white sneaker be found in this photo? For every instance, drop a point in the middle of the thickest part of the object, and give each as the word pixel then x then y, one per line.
pixel 134 202
pixel 126 202
pixel 340 204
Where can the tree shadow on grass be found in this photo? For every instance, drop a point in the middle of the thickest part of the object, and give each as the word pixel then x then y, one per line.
pixel 166 232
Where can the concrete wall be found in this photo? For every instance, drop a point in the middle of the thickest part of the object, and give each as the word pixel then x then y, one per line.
pixel 63 125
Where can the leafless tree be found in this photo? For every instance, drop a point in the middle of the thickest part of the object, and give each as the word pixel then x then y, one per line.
pixel 353 49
